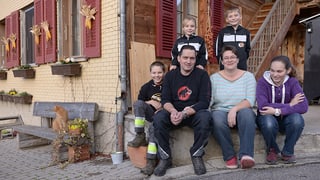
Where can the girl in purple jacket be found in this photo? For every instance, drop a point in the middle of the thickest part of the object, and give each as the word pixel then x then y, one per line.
pixel 281 102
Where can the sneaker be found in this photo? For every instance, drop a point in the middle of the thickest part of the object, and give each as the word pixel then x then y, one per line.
pixel 272 157
pixel 232 163
pixel 162 167
pixel 288 159
pixel 198 165
pixel 246 162
pixel 149 168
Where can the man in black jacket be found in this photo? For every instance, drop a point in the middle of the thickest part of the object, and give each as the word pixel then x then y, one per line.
pixel 185 98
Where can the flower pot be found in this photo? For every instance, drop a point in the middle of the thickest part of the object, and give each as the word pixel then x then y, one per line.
pixel 74 132
pixel 59 152
pixel 138 156
pixel 3 75
pixel 78 153
pixel 22 99
pixel 7 97
pixel 25 73
pixel 72 69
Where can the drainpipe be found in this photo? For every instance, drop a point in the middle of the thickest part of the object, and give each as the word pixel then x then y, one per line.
pixel 123 79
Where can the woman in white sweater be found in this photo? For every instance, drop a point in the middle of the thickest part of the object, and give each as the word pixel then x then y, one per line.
pixel 232 98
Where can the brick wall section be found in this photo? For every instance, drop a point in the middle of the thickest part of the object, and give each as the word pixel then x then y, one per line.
pixel 8 6
pixel 98 82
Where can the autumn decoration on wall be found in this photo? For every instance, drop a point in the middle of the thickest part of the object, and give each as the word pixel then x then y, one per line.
pixel 45 27
pixel 89 13
pixel 13 39
pixel 35 30
pixel 6 43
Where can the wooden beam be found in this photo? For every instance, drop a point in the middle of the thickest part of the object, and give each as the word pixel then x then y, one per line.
pixel 202 17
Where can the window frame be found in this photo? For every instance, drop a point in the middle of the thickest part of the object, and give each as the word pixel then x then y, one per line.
pixel 26 36
pixel 89 39
pixel 184 12
pixel 65 18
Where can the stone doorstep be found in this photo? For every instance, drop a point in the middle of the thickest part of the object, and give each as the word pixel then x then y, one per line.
pixel 182 139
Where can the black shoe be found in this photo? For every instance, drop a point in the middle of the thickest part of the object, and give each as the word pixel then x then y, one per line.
pixel 162 167
pixel 149 168
pixel 198 165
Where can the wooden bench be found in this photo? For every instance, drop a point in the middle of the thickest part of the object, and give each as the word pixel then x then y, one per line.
pixel 29 135
pixel 9 122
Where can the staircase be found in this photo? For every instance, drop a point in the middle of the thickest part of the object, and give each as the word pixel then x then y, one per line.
pixel 268 31
pixel 260 16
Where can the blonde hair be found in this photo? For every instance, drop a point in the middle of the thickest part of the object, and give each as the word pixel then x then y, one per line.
pixel 232 9
pixel 189 18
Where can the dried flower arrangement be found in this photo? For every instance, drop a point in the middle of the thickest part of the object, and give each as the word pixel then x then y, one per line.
pixel 89 13
pixel 45 27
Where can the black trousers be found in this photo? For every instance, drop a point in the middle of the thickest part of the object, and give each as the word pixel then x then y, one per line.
pixel 199 122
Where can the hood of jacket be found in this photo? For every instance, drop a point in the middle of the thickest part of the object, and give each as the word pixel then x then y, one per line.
pixel 267 77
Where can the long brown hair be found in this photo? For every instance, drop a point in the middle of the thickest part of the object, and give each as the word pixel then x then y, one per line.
pixel 287 63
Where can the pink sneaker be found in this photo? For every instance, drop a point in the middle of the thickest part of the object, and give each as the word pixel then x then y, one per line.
pixel 272 157
pixel 247 162
pixel 288 159
pixel 232 163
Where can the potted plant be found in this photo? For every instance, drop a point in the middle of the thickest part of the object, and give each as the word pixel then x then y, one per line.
pixel 9 96
pixel 66 68
pixel 23 98
pixel 3 74
pixel 25 71
pixel 78 141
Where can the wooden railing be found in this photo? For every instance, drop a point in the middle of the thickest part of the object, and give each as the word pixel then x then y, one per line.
pixel 270 35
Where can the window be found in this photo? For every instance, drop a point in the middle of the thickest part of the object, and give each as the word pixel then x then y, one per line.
pixel 169 16
pixel 77 40
pixel 186 8
pixel 69 28
pixel 27 43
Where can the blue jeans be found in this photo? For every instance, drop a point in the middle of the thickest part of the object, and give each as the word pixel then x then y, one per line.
pixel 246 126
pixel 291 125
pixel 199 122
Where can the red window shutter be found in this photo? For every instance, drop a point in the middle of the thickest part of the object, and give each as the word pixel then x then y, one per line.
pixel 92 37
pixel 217 19
pixel 38 16
pixel 9 63
pixel 15 30
pixel 50 16
pixel 166 27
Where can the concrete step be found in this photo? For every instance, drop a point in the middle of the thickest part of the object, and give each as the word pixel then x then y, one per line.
pixel 182 139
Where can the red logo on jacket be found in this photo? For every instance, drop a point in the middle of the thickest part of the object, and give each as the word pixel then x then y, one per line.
pixel 184 93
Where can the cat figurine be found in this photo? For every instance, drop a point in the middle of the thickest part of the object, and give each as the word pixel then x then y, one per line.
pixel 60 123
